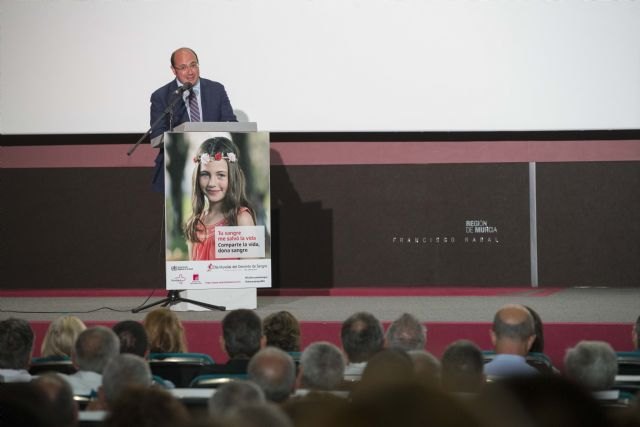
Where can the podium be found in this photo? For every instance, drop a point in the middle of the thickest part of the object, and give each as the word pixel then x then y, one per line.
pixel 198 279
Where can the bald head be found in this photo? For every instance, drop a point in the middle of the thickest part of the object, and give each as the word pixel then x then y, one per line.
pixel 513 330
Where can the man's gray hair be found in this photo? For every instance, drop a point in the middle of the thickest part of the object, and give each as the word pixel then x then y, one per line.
pixel 275 373
pixel 407 333
pixel 16 343
pixel 123 371
pixel 592 364
pixel 95 347
pixel 322 366
pixel 234 394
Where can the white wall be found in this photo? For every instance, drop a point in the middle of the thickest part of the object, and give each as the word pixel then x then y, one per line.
pixel 89 66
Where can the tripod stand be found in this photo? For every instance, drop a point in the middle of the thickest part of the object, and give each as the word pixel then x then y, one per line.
pixel 173 297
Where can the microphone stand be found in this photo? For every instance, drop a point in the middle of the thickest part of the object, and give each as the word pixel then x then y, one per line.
pixel 173 297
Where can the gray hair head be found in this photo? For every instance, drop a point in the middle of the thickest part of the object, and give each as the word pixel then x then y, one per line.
pixel 95 347
pixel 122 371
pixel 16 343
pixel 322 366
pixel 592 364
pixel 234 394
pixel 407 333
pixel 275 373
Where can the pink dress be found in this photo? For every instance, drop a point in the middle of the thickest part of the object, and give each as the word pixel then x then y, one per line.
pixel 205 249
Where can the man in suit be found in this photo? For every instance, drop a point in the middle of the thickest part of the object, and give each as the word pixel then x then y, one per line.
pixel 211 103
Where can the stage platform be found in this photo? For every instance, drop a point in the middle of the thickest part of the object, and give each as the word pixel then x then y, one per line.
pixel 569 314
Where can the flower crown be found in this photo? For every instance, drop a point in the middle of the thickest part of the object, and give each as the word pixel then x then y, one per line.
pixel 205 158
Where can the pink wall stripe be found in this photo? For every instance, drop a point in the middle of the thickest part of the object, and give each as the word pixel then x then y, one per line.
pixel 343 153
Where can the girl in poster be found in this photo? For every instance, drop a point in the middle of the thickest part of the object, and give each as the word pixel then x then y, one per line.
pixel 218 196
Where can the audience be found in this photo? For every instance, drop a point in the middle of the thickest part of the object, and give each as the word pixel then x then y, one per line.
pixel 406 333
pixel 234 394
pixel 121 372
pixel 462 368
pixel 23 404
pixel 133 338
pixel 593 365
pixel 142 406
pixel 362 337
pixel 60 337
pixel 165 332
pixel 321 367
pixel 60 398
pixel 512 335
pixel 538 343
pixel 282 330
pixel 426 367
pixel 241 339
pixel 257 415
pixel 275 373
pixel 16 348
pixel 93 349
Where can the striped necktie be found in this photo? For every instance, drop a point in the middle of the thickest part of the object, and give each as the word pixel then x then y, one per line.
pixel 194 109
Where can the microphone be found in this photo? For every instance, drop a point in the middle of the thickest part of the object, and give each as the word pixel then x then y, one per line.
pixel 185 87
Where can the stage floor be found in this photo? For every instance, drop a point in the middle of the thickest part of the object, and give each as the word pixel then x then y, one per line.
pixel 590 305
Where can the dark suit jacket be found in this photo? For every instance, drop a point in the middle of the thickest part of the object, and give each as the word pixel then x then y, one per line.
pixel 215 108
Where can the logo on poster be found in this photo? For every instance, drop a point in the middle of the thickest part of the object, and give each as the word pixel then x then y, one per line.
pixel 179 278
pixel 476 231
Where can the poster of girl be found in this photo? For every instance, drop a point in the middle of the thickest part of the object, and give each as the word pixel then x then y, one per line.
pixel 218 196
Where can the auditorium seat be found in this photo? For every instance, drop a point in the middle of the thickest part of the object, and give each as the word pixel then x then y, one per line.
pixel 178 368
pixel 183 357
pixel 61 365
pixel 215 380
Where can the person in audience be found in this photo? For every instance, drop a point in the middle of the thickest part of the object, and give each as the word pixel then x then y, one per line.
pixel 282 330
pixel 23 404
pixel 538 342
pixel 321 367
pixel 258 415
pixel 406 333
pixel 362 337
pixel 635 336
pixel 275 373
pixel 593 365
pixel 512 334
pixel 232 395
pixel 142 406
pixel 16 348
pixel 241 338
pixel 426 367
pixel 60 397
pixel 122 371
pixel 385 369
pixel 165 331
pixel 538 401
pixel 133 338
pixel 60 337
pixel 462 368
pixel 93 349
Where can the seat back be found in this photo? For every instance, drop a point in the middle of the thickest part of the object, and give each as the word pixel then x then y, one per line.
pixel 179 373
pixel 203 358
pixel 61 365
pixel 215 380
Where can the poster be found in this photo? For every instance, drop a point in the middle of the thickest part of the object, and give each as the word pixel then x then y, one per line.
pixel 217 210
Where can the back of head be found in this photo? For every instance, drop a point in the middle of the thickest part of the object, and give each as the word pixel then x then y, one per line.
pixel 592 364
pixel 146 407
pixel 234 394
pixel 258 415
pixel 636 334
pixel 275 373
pixel 242 333
pixel 426 367
pixel 165 331
pixel 60 396
pixel 361 336
pixel 322 365
pixel 462 367
pixel 539 401
pixel 123 371
pixel 282 330
pixel 385 369
pixel 61 336
pixel 407 333
pixel 24 405
pixel 16 344
pixel 538 343
pixel 95 347
pixel 133 337
pixel 513 324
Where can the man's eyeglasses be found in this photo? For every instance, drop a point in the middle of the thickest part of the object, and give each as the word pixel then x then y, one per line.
pixel 183 67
